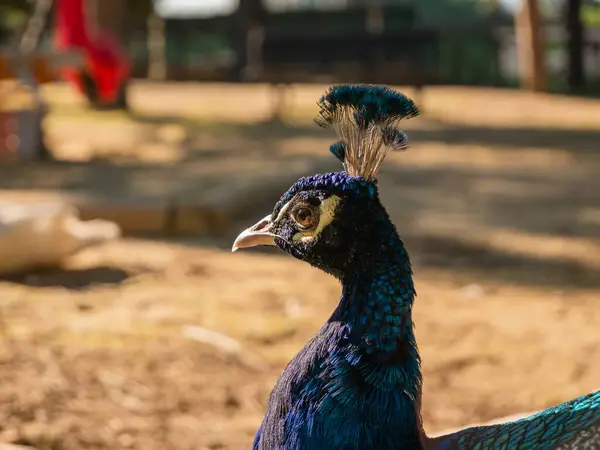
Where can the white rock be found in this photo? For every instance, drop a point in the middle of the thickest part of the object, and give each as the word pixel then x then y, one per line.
pixel 42 235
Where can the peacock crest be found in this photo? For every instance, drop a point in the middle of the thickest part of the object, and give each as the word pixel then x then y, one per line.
pixel 366 120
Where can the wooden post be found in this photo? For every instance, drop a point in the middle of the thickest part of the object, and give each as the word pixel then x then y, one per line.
pixel 157 57
pixel 251 17
pixel 530 46
pixel 576 41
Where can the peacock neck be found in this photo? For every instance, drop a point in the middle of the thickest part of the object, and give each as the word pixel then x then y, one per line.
pixel 376 307
pixel 377 297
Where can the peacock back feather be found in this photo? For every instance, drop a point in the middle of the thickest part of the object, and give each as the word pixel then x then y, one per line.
pixel 574 425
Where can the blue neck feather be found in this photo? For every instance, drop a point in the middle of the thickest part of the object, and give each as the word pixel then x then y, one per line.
pixel 377 299
pixel 376 304
pixel 375 310
pixel 376 307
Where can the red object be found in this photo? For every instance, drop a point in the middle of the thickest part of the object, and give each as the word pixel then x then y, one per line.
pixel 105 61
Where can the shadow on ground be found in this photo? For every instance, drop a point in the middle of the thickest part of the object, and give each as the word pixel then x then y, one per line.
pixel 496 266
pixel 72 279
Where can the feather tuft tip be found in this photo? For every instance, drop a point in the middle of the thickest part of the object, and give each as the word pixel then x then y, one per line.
pixel 365 118
pixel 339 150
pixel 367 104
pixel 394 138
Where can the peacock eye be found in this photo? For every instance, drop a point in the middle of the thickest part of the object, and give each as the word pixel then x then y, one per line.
pixel 304 216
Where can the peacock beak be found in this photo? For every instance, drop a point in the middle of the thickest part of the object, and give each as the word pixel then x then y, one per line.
pixel 257 234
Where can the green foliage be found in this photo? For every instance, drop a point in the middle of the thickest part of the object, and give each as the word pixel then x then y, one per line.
pixel 590 15
pixel 13 15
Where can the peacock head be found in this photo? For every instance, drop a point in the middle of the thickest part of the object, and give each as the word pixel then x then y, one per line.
pixel 329 219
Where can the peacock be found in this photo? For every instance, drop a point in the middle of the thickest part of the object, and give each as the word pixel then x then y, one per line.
pixel 357 384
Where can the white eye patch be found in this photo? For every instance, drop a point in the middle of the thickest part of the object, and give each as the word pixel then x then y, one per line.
pixel 326 214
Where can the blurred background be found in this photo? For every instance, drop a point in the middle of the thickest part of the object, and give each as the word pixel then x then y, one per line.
pixel 137 138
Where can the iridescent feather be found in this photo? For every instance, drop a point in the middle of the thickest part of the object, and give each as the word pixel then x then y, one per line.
pixel 574 425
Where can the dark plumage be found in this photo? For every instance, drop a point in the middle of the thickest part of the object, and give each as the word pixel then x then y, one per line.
pixel 357 383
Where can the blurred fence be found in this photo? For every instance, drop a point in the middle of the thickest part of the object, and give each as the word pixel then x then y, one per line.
pixel 304 46
pixel 308 45
pixel 348 45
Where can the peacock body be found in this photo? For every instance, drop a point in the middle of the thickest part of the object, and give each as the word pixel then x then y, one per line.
pixel 357 383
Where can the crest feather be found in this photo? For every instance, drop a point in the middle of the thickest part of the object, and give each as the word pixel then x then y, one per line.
pixel 365 117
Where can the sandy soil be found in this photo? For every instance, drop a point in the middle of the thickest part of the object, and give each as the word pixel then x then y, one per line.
pixel 502 220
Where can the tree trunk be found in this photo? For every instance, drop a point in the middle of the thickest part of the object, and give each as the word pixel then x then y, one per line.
pixel 575 45
pixel 530 45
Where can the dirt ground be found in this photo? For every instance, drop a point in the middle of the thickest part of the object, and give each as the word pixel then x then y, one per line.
pixel 498 200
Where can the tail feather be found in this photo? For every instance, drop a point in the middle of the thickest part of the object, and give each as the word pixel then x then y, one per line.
pixel 569 426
